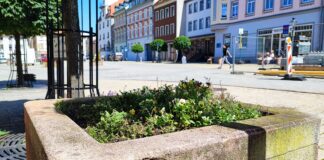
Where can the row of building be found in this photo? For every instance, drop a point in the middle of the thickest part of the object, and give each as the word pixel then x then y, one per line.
pixel 210 24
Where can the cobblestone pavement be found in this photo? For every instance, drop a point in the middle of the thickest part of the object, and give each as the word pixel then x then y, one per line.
pixel 305 96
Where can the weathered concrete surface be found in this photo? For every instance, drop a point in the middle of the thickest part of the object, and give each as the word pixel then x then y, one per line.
pixel 51 135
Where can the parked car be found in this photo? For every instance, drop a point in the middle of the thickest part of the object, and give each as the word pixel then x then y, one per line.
pixel 118 56
pixel 43 58
pixel 3 60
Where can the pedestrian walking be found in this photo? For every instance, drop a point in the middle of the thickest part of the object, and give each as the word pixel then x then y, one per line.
pixel 226 54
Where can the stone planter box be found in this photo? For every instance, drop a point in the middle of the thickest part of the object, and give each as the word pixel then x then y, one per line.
pixel 286 134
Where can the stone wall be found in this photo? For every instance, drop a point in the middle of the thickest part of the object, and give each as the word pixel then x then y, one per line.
pixel 284 135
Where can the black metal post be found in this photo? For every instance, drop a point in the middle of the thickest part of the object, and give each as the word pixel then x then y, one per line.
pixel 58 30
pixel 97 50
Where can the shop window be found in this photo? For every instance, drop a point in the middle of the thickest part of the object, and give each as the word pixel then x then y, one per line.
pixel 227 39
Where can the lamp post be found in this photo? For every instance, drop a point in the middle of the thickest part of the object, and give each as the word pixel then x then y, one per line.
pixel 158 55
pixel 126 8
pixel 293 23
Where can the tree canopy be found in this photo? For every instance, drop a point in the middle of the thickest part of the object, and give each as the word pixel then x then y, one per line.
pixel 24 17
pixel 181 43
pixel 158 45
pixel 137 48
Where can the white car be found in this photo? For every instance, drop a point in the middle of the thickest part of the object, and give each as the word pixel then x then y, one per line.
pixel 3 60
pixel 118 56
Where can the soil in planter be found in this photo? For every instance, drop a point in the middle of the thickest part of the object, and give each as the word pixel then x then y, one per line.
pixel 147 112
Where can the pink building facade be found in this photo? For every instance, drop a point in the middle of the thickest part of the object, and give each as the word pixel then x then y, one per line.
pixel 140 27
pixel 262 22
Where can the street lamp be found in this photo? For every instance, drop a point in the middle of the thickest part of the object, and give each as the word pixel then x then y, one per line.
pixel 293 23
pixel 158 54
pixel 126 8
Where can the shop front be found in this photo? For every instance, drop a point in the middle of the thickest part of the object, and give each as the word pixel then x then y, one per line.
pixel 273 40
pixel 202 48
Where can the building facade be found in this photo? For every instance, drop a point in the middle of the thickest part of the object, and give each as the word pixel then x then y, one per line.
pixel 168 19
pixel 140 27
pixel 120 29
pixel 262 22
pixel 105 23
pixel 39 43
pixel 7 46
pixel 197 23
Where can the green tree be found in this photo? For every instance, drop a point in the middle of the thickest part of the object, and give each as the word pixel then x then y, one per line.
pixel 181 43
pixel 23 18
pixel 137 49
pixel 158 45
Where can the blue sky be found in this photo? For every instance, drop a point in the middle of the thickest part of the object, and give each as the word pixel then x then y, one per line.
pixel 85 10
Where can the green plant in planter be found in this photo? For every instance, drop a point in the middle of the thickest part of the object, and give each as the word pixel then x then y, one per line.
pixel 146 112
pixel 137 48
pixel 3 133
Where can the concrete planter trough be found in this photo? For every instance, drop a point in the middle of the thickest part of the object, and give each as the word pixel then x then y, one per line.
pixel 286 134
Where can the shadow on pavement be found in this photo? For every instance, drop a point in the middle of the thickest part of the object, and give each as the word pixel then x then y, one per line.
pixel 37 84
pixel 12 116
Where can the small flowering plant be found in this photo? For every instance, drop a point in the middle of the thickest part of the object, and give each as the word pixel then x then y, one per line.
pixel 147 112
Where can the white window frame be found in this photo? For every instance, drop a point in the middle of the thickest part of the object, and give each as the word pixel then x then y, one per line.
pixel 201 24
pixel 250 7
pixel 162 14
pixel 157 15
pixel 167 29
pixel 167 12
pixel 234 9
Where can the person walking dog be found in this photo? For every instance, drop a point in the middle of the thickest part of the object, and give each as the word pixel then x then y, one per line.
pixel 226 53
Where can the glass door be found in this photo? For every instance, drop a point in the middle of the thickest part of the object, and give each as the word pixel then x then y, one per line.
pixel 276 41
pixel 282 48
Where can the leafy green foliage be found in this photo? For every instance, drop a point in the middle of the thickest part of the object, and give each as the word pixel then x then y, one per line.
pixel 25 17
pixel 181 43
pixel 3 133
pixel 146 112
pixel 158 45
pixel 137 48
